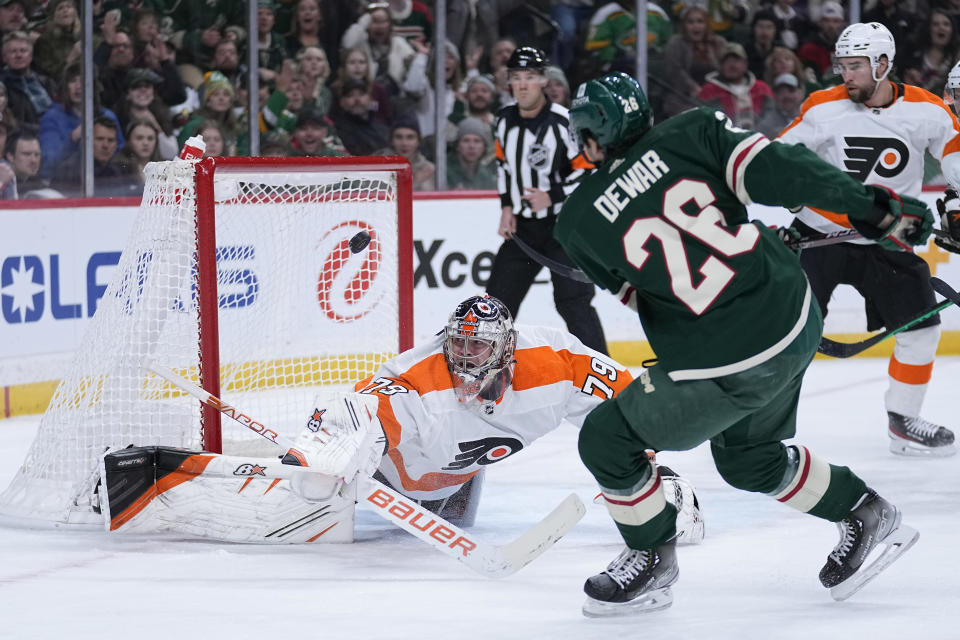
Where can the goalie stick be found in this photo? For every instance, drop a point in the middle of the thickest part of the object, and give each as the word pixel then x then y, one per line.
pixel 495 561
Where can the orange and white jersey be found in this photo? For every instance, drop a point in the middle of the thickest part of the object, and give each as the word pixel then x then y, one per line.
pixel 435 444
pixel 883 146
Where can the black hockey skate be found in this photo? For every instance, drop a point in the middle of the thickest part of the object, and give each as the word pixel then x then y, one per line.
pixel 872 523
pixel 637 581
pixel 914 436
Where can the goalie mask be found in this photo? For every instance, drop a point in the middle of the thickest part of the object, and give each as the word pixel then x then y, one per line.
pixel 478 344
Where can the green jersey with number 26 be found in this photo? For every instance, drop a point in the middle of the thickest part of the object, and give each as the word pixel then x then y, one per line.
pixel 664 227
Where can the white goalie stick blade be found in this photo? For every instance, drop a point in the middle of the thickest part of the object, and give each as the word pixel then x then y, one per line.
pixel 646 603
pixel 490 560
pixel 895 545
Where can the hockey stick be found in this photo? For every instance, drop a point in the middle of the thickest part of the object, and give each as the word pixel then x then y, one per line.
pixel 495 561
pixel 558 268
pixel 835 237
pixel 945 290
pixel 796 244
pixel 847 349
pixel 827 346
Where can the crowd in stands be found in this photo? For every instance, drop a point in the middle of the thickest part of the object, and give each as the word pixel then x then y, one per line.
pixel 354 77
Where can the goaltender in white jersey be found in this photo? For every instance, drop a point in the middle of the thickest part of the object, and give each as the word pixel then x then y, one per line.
pixel 477 393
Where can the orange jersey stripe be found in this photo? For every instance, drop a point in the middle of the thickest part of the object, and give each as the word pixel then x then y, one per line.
pixel 953 146
pixel 841 219
pixel 430 374
pixel 498 150
pixel 916 94
pixel 539 367
pixel 581 162
pixel 428 481
pixel 188 470
pixel 817 98
pixel 910 373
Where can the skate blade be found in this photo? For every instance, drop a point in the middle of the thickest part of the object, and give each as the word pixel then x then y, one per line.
pixel 647 603
pixel 896 543
pixel 907 448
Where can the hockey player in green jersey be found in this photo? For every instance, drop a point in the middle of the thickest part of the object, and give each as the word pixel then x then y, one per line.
pixel 726 307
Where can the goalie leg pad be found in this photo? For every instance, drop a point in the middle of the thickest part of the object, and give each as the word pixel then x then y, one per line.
pixel 231 498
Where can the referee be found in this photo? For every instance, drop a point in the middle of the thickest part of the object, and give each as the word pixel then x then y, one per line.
pixel 536 169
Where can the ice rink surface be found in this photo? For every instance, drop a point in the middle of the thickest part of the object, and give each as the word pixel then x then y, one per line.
pixel 755 575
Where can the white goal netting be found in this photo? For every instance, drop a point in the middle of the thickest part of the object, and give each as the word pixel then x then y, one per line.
pixel 296 310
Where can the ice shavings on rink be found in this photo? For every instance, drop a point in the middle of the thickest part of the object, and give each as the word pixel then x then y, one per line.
pixel 755 575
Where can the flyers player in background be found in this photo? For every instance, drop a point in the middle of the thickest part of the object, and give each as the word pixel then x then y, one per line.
pixel 877 131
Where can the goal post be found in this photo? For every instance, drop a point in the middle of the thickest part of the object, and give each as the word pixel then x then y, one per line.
pixel 238 276
pixel 206 187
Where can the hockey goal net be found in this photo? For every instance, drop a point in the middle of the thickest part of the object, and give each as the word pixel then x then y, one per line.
pixel 238 276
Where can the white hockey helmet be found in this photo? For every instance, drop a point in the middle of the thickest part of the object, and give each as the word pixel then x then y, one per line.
pixel 867 39
pixel 952 90
pixel 478 344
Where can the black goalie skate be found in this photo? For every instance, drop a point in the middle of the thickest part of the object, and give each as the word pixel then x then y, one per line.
pixel 637 581
pixel 914 436
pixel 873 523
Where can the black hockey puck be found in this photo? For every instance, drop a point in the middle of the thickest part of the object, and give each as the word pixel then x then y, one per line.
pixel 359 242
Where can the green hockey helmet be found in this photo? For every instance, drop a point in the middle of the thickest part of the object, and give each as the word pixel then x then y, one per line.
pixel 613 110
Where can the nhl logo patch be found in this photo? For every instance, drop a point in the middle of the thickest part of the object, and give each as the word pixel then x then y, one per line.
pixel 316 420
pixel 538 156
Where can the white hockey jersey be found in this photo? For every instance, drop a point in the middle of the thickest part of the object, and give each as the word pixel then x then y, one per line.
pixel 435 444
pixel 883 146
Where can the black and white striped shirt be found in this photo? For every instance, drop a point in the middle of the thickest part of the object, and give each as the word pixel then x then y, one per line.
pixel 536 152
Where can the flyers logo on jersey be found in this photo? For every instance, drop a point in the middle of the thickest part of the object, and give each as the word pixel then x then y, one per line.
pixel 885 156
pixel 483 452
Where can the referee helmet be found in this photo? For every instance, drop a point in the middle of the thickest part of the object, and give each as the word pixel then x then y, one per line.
pixel 527 58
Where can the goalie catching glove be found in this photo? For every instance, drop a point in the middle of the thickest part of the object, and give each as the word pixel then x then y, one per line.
pixel 949 209
pixel 897 222
pixel 342 438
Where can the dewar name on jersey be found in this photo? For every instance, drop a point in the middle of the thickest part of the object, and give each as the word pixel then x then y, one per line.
pixel 632 182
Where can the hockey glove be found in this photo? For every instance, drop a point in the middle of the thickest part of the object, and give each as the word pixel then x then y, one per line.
pixel 912 221
pixel 342 438
pixel 949 209
pixel 790 237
